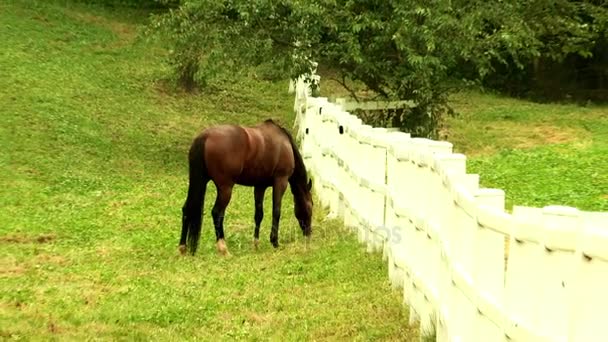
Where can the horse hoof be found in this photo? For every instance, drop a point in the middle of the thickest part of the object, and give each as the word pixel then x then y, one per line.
pixel 274 240
pixel 182 249
pixel 222 249
pixel 256 243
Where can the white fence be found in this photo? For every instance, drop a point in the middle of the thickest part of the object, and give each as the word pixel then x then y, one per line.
pixel 445 239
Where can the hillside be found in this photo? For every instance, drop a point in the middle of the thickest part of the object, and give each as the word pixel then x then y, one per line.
pixel 93 173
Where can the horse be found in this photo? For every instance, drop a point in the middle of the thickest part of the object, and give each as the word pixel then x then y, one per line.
pixel 260 156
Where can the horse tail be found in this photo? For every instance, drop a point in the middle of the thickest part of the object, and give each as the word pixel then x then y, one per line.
pixel 192 210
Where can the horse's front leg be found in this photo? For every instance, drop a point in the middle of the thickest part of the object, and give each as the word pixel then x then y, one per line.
pixel 278 189
pixel 258 195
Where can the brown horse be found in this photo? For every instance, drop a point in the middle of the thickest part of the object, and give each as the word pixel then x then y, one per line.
pixel 261 156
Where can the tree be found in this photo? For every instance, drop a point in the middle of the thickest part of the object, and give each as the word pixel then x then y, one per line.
pixel 406 50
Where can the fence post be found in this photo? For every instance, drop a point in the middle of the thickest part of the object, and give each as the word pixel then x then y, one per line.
pixel 456 234
pixel 360 198
pixel 328 161
pixel 314 126
pixel 351 182
pixel 375 174
pixel 340 151
pixel 493 224
pixel 392 140
pixel 422 291
pixel 588 298
pixel 560 227
pixel 523 271
pixel 450 168
pixel 400 184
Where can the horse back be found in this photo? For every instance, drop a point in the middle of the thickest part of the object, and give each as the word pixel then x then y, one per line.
pixel 247 155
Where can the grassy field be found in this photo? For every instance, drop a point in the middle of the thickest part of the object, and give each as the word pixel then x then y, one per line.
pixel 93 175
pixel 540 154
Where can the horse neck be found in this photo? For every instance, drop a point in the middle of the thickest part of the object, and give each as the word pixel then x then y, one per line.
pixel 297 189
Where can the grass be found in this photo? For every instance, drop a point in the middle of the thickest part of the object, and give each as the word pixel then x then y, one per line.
pixel 540 154
pixel 93 175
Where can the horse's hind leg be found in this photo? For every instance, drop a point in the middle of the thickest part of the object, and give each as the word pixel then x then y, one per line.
pixel 278 189
pixel 224 193
pixel 258 195
pixel 182 239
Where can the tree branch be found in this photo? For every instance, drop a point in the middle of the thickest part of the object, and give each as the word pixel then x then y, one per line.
pixel 343 84
pixel 282 42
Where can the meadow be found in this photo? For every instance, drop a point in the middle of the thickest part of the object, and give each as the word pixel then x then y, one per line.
pixel 539 153
pixel 93 174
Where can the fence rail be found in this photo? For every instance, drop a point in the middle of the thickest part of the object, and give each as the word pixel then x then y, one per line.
pixel 445 238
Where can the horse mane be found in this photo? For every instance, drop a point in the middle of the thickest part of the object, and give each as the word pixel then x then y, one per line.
pixel 300 175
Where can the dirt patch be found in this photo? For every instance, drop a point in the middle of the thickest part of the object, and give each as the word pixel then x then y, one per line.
pixel 44 238
pixel 124 32
pixel 543 135
pixel 517 135
pixel 257 318
pixel 104 251
pixel 117 204
pixel 42 19
pixel 53 328
pixel 12 271
pixel 11 267
pixel 50 259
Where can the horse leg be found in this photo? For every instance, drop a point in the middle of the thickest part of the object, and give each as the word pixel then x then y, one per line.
pixel 259 192
pixel 224 193
pixel 182 239
pixel 278 189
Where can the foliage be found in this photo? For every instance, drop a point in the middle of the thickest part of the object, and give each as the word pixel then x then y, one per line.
pixel 292 33
pixel 208 38
pixel 554 47
pixel 399 50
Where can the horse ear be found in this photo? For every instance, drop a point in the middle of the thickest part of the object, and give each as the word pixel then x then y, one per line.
pixel 309 184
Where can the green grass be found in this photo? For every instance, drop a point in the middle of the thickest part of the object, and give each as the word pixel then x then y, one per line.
pixel 93 174
pixel 540 154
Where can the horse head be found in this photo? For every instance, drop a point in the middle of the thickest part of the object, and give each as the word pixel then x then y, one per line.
pixel 303 209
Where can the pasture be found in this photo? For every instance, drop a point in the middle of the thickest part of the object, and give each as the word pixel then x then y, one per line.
pixel 93 174
pixel 540 154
